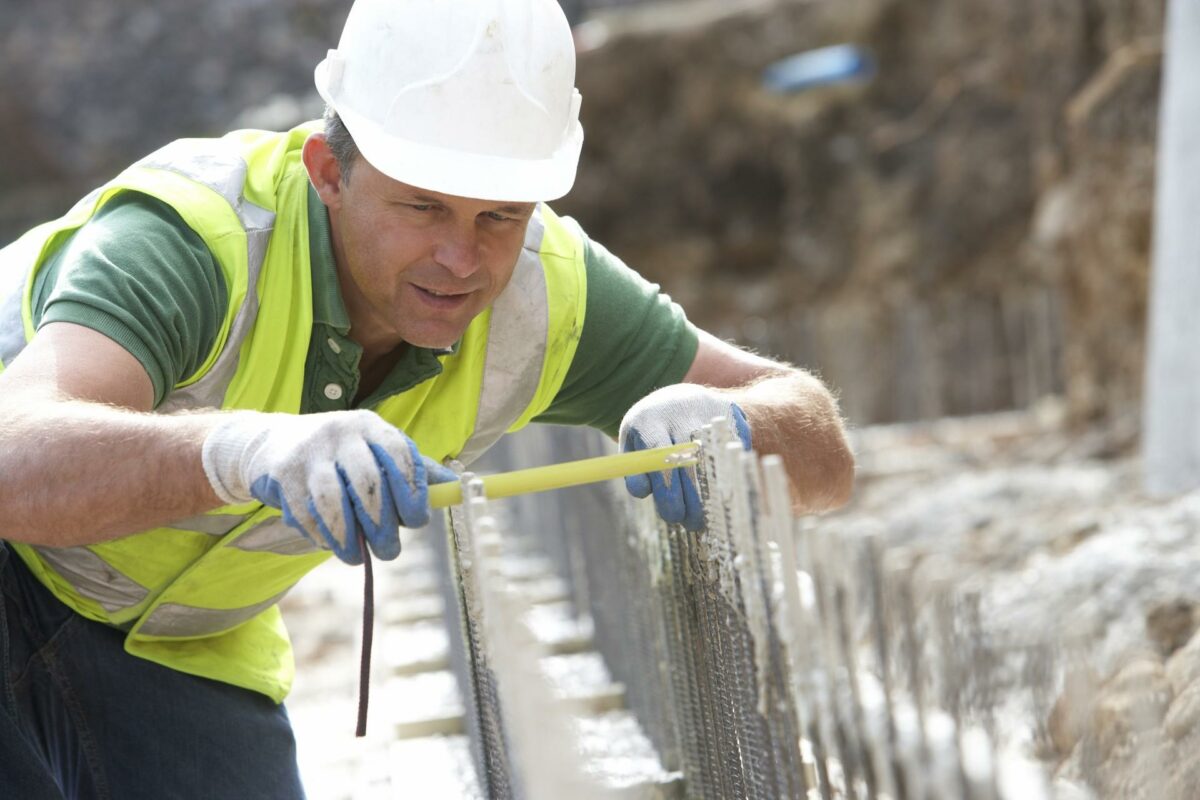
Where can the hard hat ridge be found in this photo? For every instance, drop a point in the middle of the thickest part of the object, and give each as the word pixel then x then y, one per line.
pixel 475 99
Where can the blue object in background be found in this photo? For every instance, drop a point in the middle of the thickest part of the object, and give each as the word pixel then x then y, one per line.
pixel 839 63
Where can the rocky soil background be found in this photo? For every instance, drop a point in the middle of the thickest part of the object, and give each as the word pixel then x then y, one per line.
pixel 92 86
pixel 1089 589
pixel 969 231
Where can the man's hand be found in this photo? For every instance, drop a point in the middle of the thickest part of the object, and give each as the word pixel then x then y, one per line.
pixel 332 475
pixel 670 416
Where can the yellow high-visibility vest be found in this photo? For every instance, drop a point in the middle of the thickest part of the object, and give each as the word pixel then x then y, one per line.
pixel 199 595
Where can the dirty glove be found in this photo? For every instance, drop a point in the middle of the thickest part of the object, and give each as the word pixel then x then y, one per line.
pixel 332 475
pixel 670 416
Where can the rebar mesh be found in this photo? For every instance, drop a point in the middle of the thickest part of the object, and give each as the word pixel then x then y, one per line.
pixel 763 657
pixel 521 733
pixel 468 653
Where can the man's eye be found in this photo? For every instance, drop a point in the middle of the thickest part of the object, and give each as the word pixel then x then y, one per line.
pixel 420 206
pixel 497 216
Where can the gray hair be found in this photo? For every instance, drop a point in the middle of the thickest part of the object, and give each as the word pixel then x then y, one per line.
pixel 340 142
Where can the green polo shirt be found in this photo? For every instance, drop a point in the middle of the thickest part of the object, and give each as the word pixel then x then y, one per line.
pixel 139 275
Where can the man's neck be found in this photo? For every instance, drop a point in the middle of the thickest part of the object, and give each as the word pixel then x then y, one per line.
pixel 366 329
pixel 374 367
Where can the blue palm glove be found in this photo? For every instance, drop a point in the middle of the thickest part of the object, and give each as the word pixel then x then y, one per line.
pixel 332 475
pixel 670 416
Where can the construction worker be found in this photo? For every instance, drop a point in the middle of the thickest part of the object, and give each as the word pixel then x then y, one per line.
pixel 245 354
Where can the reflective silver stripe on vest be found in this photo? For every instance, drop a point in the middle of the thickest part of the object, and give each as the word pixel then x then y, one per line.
pixel 212 524
pixel 274 536
pixel 94 578
pixel 516 349
pixel 221 168
pixel 175 619
pixel 13 278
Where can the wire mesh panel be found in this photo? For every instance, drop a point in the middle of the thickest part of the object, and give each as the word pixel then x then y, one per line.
pixel 594 535
pixel 721 606
pixel 468 652
pixel 762 656
pixel 682 619
pixel 522 734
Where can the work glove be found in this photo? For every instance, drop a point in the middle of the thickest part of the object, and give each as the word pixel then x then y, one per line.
pixel 332 475
pixel 670 416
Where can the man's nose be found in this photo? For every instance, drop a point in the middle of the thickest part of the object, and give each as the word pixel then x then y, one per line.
pixel 458 250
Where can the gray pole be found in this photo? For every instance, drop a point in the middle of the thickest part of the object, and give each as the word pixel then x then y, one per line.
pixel 1171 417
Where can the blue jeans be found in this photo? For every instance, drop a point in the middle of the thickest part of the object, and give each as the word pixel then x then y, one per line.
pixel 81 718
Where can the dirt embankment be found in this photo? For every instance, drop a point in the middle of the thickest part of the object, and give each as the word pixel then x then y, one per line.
pixel 967 232
pixel 1089 590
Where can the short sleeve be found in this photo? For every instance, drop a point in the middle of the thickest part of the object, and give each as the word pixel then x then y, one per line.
pixel 634 340
pixel 138 274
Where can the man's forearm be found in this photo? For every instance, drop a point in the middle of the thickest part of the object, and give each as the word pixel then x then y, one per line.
pixel 74 472
pixel 793 415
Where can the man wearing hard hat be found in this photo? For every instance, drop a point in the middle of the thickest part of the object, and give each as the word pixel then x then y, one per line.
pixel 243 354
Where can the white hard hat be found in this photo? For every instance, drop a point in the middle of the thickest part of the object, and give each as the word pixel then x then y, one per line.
pixel 474 98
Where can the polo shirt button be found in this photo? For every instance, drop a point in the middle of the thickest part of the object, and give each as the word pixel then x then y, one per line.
pixel 333 391
pixel 333 345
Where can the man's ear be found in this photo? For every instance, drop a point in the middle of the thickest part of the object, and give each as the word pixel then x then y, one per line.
pixel 323 169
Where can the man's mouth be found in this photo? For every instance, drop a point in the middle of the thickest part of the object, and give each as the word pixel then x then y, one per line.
pixel 439 299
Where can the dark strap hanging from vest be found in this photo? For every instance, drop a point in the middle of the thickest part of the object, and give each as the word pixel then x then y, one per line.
pixel 364 674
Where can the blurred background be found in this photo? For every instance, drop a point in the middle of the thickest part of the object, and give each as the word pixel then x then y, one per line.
pixel 965 230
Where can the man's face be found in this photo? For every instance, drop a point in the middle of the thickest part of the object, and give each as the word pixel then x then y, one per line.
pixel 416 265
